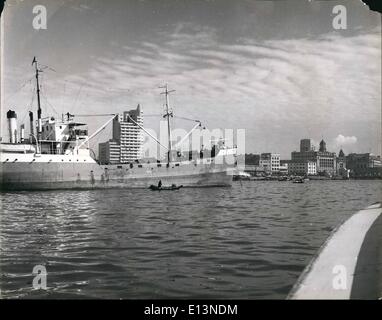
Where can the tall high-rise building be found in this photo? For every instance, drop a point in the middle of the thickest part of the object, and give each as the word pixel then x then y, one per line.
pixel 129 135
pixel 305 145
pixel 126 144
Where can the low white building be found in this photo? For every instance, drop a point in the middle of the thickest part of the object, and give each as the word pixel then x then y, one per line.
pixel 311 168
pixel 283 169
pixel 270 162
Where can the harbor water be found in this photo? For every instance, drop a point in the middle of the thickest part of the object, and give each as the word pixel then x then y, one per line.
pixel 248 241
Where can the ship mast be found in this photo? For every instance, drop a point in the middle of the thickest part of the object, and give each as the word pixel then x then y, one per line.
pixel 39 129
pixel 167 115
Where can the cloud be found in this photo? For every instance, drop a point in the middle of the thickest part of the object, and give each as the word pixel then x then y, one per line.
pixel 289 81
pixel 342 140
pixel 283 80
pixel 305 86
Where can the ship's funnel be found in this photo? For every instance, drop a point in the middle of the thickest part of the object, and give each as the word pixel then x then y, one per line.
pixel 12 126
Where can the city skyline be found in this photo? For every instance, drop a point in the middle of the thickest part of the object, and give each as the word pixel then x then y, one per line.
pixel 239 65
pixel 314 149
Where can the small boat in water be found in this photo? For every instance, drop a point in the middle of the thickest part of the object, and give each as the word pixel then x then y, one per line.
pixel 172 187
pixel 242 176
pixel 298 180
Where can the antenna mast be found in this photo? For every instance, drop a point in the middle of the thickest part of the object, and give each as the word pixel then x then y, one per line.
pixel 39 128
pixel 167 115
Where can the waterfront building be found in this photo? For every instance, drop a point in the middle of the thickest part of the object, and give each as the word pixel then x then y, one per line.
pixel 325 160
pixel 364 165
pixel 252 159
pixel 109 152
pixel 284 162
pixel 303 168
pixel 341 165
pixel 254 170
pixel 283 169
pixel 270 162
pixel 252 164
pixel 129 135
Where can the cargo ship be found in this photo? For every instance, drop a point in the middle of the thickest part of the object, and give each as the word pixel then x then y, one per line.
pixel 57 155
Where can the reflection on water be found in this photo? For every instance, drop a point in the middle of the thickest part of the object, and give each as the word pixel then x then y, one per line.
pixel 248 241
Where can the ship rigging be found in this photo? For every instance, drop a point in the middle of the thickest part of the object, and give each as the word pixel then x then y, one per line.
pixel 51 139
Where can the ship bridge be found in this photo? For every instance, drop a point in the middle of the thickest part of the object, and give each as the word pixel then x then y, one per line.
pixel 61 136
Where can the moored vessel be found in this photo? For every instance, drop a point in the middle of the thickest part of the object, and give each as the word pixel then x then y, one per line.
pixel 58 156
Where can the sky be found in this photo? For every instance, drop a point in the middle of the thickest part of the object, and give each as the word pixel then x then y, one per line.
pixel 277 69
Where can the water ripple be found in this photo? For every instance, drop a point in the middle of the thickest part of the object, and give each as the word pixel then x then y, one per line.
pixel 248 241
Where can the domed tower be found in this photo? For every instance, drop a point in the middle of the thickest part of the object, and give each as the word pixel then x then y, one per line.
pixel 322 146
